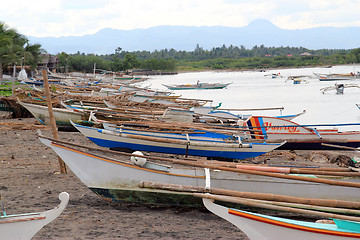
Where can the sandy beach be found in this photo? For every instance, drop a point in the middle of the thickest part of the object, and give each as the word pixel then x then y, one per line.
pixel 31 182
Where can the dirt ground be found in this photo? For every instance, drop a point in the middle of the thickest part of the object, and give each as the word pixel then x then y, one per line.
pixel 30 182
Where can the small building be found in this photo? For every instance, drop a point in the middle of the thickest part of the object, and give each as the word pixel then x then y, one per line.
pixel 49 61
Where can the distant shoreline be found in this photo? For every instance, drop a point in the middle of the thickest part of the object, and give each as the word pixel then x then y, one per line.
pixel 267 69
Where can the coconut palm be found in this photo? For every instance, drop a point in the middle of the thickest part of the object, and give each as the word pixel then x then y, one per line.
pixel 16 50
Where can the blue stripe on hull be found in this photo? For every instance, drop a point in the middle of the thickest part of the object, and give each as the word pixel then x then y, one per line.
pixel 181 151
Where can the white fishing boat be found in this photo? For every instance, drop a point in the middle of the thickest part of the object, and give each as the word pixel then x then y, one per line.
pixel 117 178
pixel 262 227
pixel 61 115
pixel 198 85
pixel 337 76
pixel 339 87
pixel 25 226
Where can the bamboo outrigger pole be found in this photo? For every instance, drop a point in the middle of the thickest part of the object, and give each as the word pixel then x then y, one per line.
pixel 51 116
pixel 249 202
pixel 252 195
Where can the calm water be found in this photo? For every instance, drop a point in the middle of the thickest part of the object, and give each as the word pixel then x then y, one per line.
pixel 255 90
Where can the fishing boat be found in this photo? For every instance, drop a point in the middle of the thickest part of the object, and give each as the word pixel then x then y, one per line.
pixel 339 87
pixel 299 79
pixel 198 85
pixel 25 226
pixel 337 76
pixel 301 137
pixel 194 143
pixel 264 227
pixel 61 115
pixel 273 75
pixel 117 176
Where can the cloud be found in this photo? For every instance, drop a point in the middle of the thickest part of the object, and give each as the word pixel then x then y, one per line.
pixel 79 17
pixel 83 4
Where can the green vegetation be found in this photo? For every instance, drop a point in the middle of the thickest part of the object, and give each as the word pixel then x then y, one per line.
pixel 6 88
pixel 219 58
pixel 16 50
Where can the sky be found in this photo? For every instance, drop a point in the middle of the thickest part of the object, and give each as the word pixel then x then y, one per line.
pixel 55 18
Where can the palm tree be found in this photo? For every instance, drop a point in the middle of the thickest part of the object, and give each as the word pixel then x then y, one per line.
pixel 15 49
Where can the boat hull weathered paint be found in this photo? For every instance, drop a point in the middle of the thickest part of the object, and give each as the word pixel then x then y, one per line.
pixel 262 227
pixel 119 180
pixel 218 148
pixel 61 115
pixel 25 226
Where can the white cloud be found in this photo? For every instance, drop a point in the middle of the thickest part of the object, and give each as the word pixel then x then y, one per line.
pixel 79 17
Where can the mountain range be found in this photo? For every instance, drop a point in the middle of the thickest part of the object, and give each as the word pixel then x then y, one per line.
pixel 258 32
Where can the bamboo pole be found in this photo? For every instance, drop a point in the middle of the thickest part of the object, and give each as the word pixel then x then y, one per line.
pixel 288 170
pixel 310 125
pixel 52 118
pixel 250 109
pixel 172 125
pixel 198 126
pixel 318 172
pixel 313 207
pixel 118 110
pixel 252 195
pixel 291 168
pixel 339 146
pixel 13 81
pixel 1 75
pixel 251 203
pixel 184 142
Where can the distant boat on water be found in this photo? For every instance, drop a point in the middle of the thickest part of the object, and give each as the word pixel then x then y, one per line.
pixel 339 87
pixel 337 76
pixel 198 85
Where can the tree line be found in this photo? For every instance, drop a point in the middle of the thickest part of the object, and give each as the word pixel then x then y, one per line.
pixel 224 57
pixel 15 49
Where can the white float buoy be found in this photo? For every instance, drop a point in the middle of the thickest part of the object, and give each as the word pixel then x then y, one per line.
pixel 140 161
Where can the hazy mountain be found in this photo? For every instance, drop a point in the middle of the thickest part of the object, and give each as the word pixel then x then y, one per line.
pixel 257 32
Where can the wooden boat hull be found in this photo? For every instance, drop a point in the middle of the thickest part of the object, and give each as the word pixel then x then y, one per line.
pixel 198 86
pixel 119 180
pixel 113 140
pixel 336 77
pixel 298 137
pixel 61 115
pixel 262 227
pixel 25 226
